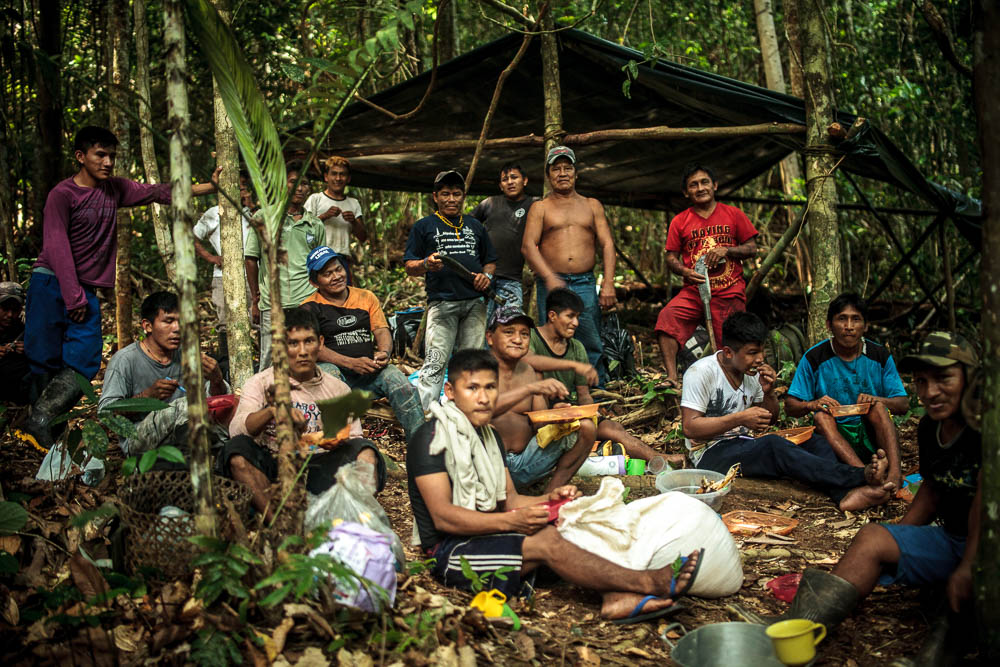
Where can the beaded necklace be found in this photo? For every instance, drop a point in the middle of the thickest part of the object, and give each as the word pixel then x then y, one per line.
pixel 457 228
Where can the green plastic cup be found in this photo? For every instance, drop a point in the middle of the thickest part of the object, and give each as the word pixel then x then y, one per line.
pixel 635 467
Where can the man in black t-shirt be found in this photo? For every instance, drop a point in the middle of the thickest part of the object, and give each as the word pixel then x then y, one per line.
pixel 916 551
pixel 456 311
pixel 504 216
pixel 467 512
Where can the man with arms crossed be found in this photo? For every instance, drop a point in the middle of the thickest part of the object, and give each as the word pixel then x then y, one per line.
pixel 341 215
pixel 504 216
pixel 523 389
pixel 724 236
pixel 561 236
pixel 844 369
pixel 465 506
pixel 729 396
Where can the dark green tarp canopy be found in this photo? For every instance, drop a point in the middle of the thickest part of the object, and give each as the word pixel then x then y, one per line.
pixel 642 174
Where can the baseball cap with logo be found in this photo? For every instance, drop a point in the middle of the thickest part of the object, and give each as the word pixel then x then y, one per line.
pixel 321 256
pixel 11 291
pixel 449 177
pixel 557 152
pixel 941 349
pixel 508 314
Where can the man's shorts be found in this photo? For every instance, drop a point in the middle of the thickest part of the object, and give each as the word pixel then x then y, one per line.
pixel 927 555
pixel 859 436
pixel 485 554
pixel 682 314
pixel 320 472
pixel 534 462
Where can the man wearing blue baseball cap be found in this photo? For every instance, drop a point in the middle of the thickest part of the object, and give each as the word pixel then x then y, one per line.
pixel 356 338
pixel 563 233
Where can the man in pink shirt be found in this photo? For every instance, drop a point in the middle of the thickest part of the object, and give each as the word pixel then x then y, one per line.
pixel 79 252
pixel 724 236
pixel 251 456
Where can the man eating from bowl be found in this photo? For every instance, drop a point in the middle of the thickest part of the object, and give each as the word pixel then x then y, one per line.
pixel 729 396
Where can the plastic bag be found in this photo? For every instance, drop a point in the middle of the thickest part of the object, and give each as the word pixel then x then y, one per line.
pixel 352 499
pixel 58 464
pixel 618 348
pixel 369 554
pixel 651 533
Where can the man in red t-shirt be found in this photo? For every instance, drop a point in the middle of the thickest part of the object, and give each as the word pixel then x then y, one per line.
pixel 724 236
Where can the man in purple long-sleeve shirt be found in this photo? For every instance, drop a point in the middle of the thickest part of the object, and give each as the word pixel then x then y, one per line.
pixel 79 251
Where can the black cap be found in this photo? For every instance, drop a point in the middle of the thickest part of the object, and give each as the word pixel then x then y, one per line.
pixel 449 176
pixel 508 314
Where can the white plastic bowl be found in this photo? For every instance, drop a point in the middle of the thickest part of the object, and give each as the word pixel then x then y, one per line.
pixel 689 481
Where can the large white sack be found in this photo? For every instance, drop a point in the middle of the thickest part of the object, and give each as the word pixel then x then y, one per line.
pixel 652 532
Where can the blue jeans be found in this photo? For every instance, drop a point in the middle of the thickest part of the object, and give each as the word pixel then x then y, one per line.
pixel 533 462
pixel 390 384
pixel 451 326
pixel 813 462
pixel 507 289
pixel 52 341
pixel 589 330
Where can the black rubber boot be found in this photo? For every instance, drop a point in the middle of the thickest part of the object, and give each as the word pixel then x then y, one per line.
pixel 58 398
pixel 947 638
pixel 822 597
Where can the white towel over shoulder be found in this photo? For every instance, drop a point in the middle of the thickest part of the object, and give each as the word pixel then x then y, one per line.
pixel 472 457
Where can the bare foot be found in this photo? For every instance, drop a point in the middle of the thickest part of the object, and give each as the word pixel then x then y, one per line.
pixel 877 472
pixel 683 580
pixel 620 605
pixel 862 497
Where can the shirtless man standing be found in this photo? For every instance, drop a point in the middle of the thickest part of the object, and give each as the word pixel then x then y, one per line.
pixel 561 237
pixel 522 389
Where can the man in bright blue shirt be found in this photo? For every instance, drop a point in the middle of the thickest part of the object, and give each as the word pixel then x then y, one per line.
pixel 846 369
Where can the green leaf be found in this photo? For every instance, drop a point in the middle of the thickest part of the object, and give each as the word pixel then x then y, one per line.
pixel 293 72
pixel 171 453
pixel 276 596
pixel 135 405
pixel 371 46
pixel 208 543
pixel 86 388
pixel 128 467
pixel 406 18
pixel 8 564
pixel 337 412
pixel 147 461
pixel 117 424
pixel 83 518
pixel 388 38
pixel 13 517
pixel 95 439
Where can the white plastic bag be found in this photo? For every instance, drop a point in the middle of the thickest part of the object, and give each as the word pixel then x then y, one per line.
pixel 652 532
pixel 352 498
pixel 58 464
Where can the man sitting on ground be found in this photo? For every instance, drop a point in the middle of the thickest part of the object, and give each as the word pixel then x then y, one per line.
pixel 728 398
pixel 151 368
pixel 559 356
pixel 504 216
pixel 466 508
pixel 251 456
pixel 522 389
pixel 936 540
pixel 13 362
pixel 844 369
pixel 349 319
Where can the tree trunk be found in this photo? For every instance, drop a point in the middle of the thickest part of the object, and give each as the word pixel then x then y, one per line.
pixel 551 90
pixel 7 208
pixel 239 342
pixel 774 75
pixel 161 228
pixel 448 33
pixel 821 185
pixel 792 33
pixel 49 156
pixel 119 85
pixel 187 271
pixel 986 90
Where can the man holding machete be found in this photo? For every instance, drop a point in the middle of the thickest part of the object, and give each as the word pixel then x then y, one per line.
pixel 456 310
pixel 712 239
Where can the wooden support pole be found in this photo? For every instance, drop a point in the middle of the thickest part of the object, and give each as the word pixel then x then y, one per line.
pixel 551 91
pixel 656 133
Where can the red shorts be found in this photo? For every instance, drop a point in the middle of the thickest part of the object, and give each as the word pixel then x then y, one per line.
pixel 682 315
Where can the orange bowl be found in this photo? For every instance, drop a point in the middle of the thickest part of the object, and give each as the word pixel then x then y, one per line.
pixel 847 410
pixel 796 435
pixel 562 415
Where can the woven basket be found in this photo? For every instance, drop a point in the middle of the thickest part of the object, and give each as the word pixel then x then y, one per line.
pixel 160 542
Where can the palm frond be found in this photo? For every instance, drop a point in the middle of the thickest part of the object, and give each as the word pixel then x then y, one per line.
pixel 255 131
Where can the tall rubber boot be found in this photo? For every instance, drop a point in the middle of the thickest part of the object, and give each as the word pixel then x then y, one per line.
pixel 822 597
pixel 58 398
pixel 947 640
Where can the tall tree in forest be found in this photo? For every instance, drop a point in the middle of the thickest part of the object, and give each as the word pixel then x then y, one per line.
pixel 187 271
pixel 119 83
pixel 161 228
pixel 237 332
pixel 6 204
pixel 49 156
pixel 551 90
pixel 986 90
pixel 821 185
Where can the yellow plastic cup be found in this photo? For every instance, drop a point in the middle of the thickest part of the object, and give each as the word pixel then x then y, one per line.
pixel 491 603
pixel 795 640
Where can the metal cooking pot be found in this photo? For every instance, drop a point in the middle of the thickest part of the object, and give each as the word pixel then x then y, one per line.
pixel 722 645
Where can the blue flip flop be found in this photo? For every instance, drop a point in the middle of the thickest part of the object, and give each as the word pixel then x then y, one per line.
pixel 674 593
pixel 638 617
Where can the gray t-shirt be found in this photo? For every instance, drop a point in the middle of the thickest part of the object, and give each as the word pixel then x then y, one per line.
pixel 132 371
pixel 504 222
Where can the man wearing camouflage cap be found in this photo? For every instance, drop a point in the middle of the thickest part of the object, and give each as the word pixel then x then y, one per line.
pixel 13 362
pixel 935 542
